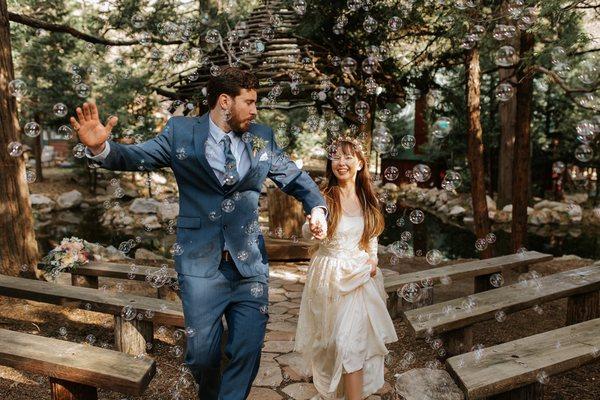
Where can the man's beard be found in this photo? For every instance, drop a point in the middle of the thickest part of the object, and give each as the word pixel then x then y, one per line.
pixel 237 125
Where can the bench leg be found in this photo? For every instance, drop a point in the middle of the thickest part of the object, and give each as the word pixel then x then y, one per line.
pixel 482 284
pixel 131 337
pixel 534 391
pixel 84 281
pixel 425 300
pixel 458 341
pixel 583 307
pixel 392 304
pixel 65 390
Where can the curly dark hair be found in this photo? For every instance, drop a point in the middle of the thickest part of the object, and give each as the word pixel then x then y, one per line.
pixel 230 81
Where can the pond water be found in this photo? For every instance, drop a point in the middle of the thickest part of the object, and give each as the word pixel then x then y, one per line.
pixel 433 233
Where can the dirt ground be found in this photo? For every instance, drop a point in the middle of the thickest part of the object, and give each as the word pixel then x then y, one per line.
pixel 43 319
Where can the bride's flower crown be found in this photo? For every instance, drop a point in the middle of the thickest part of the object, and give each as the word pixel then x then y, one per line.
pixel 337 141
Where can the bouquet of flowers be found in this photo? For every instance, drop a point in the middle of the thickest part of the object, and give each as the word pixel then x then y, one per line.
pixel 69 254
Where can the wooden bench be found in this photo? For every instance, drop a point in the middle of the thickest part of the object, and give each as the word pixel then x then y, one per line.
pixel 511 371
pixel 76 371
pixel 480 270
pixel 131 335
pixel 453 319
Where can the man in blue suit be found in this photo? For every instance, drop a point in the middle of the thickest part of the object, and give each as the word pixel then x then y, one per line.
pixel 220 161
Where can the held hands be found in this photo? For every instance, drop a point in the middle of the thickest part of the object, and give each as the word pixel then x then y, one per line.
pixel 373 264
pixel 317 224
pixel 90 130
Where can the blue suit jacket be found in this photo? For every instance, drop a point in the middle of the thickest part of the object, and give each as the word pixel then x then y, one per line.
pixel 204 225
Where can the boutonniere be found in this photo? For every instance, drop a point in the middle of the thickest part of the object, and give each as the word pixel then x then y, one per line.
pixel 258 144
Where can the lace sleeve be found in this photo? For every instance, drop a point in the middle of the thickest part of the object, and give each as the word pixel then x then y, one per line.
pixel 373 246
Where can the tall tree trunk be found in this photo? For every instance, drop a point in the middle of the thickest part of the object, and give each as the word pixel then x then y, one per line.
pixel 420 124
pixel 508 114
pixel 522 159
pixel 475 148
pixel 38 148
pixel 17 244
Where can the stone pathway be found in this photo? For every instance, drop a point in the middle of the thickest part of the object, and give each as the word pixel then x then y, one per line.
pixel 283 373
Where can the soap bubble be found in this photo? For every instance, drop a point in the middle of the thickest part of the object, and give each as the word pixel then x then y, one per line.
pixel 65 132
pixel 383 141
pixel 30 176
pixel 348 65
pixel 411 292
pixel 228 205
pixel 32 129
pixel 542 377
pixel 370 24
pixel 416 216
pixel 369 65
pixel 504 92
pixel 584 153
pixel 128 313
pixel 586 131
pixel 60 110
pixel 481 244
pixel 408 141
pixel 212 36
pixel 257 290
pixel 15 149
pixel 496 280
pixel 299 6
pixel 490 238
pixel 361 108
pixel 441 128
pixel 391 173
pixel 434 257
pixel 83 90
pixel 341 95
pixel 558 167
pixel 506 56
pixel 452 180
pixel 394 23
pixel 500 316
pixel 421 172
pixel 17 88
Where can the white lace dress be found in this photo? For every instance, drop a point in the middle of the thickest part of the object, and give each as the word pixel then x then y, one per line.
pixel 343 325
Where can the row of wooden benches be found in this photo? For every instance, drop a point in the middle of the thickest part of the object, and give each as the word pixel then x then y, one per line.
pixel 453 325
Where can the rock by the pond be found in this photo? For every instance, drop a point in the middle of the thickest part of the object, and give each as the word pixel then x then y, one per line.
pixel 151 222
pixel 167 211
pixel 70 199
pixel 278 346
pixel 507 208
pixel 41 203
pixel 427 384
pixel 300 391
pixel 109 253
pixel 69 217
pixel 457 211
pixel 144 206
pixel 145 254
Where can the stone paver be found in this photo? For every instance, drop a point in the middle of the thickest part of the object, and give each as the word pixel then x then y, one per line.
pixel 300 391
pixel 263 394
pixel 283 374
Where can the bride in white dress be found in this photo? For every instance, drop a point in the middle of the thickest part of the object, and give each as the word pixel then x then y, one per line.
pixel 343 325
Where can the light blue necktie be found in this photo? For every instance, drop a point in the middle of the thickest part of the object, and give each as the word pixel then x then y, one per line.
pixel 231 174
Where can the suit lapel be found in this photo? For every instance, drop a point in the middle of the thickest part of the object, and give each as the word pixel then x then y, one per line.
pixel 200 133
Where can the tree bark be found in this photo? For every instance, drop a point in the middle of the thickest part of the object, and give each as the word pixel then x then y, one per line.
pixel 38 148
pixel 522 151
pixel 18 246
pixel 508 115
pixel 420 124
pixel 475 148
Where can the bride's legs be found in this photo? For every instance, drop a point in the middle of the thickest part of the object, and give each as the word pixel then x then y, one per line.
pixel 353 385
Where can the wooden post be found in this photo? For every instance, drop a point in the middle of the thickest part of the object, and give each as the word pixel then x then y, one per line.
pixel 65 390
pixel 392 304
pixel 583 307
pixel 534 391
pixel 285 212
pixel 131 336
pixel 458 341
pixel 425 300
pixel 84 281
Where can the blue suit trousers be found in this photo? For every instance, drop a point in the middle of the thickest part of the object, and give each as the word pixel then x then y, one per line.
pixel 243 302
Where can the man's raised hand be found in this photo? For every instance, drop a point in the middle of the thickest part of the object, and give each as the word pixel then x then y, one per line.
pixel 90 130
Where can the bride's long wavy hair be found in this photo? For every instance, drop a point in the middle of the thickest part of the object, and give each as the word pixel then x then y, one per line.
pixel 373 217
